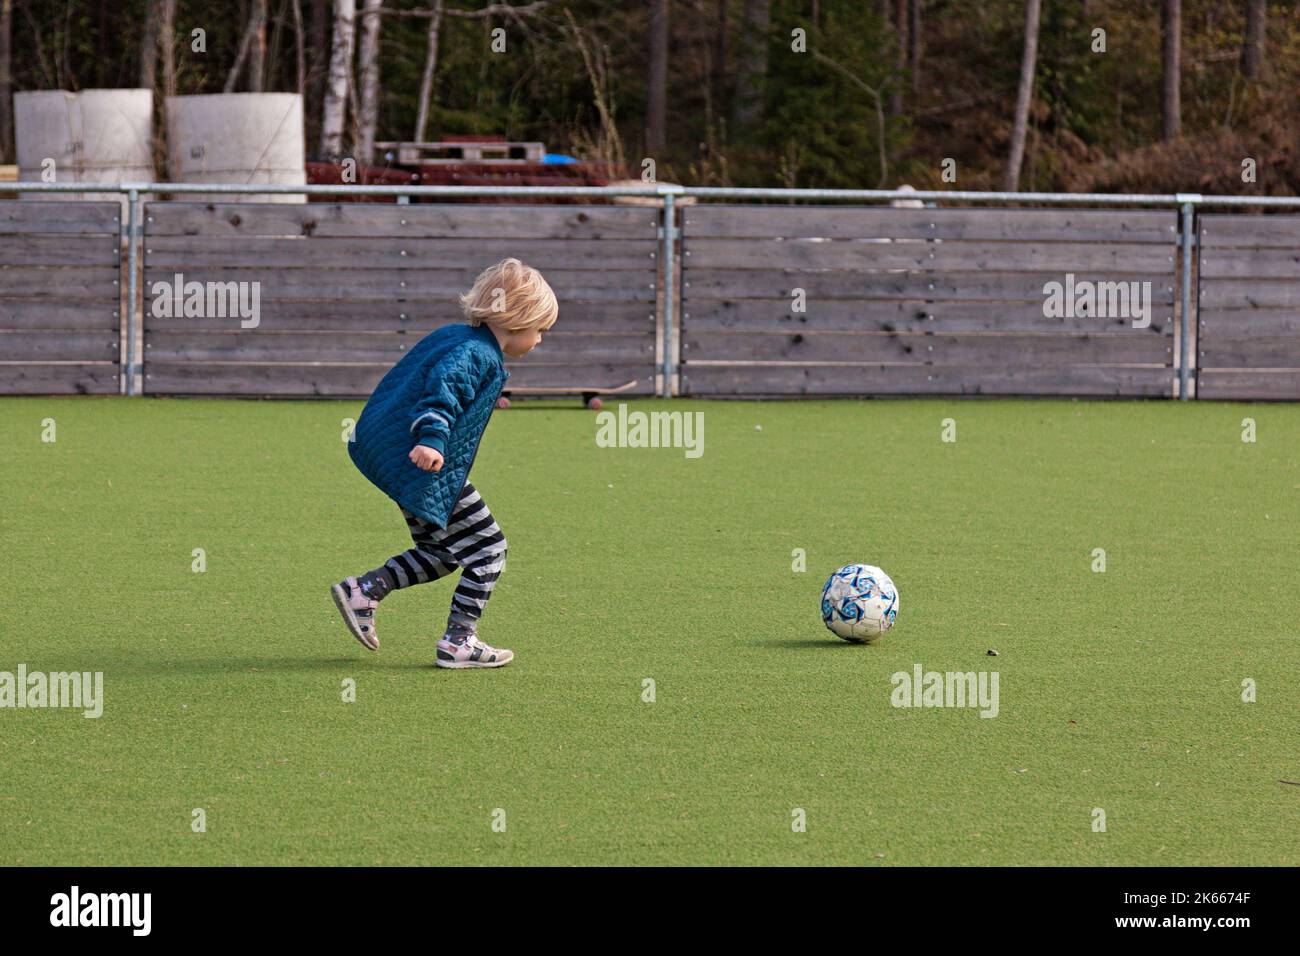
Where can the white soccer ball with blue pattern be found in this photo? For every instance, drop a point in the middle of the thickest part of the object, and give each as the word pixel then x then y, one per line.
pixel 859 603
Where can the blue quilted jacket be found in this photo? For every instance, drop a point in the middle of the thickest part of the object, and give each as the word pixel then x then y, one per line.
pixel 441 394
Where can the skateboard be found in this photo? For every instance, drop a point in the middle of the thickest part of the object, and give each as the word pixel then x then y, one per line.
pixel 590 393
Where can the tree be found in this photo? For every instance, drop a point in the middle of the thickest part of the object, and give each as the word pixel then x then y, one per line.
pixel 914 44
pixel 1252 41
pixel 149 46
pixel 368 108
pixel 167 45
pixel 6 78
pixel 300 55
pixel 334 110
pixel 435 17
pixel 751 62
pixel 720 60
pixel 252 49
pixel 318 42
pixel 657 81
pixel 1028 64
pixel 828 127
pixel 901 22
pixel 877 102
pixel 430 67
pixel 1172 25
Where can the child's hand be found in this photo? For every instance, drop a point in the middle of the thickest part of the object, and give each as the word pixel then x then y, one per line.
pixel 426 458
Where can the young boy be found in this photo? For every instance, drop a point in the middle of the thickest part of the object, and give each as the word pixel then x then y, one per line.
pixel 416 441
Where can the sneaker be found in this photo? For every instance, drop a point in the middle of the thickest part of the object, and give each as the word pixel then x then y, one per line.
pixel 358 611
pixel 471 653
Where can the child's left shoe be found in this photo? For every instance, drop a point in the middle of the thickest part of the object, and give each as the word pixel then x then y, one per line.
pixel 358 611
pixel 471 653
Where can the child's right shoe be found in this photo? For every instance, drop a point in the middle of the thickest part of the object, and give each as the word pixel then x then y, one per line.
pixel 358 611
pixel 471 653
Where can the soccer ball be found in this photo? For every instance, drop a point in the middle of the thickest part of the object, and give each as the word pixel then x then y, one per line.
pixel 859 603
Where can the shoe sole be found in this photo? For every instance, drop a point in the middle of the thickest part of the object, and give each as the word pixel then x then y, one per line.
pixel 461 665
pixel 341 602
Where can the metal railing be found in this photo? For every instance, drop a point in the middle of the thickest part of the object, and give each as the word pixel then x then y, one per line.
pixel 669 236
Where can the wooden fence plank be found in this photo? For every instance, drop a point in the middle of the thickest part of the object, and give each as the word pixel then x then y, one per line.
pixel 879 315
pixel 201 252
pixel 62 313
pixel 1251 263
pixel 46 345
pixel 474 221
pixel 209 378
pixel 53 251
pixel 1042 350
pixel 61 282
pixel 926 379
pixel 414 316
pixel 1277 349
pixel 1114 259
pixel 778 284
pixel 56 379
pixel 610 286
pixel 608 375
pixel 840 222
pixel 1238 384
pixel 1227 231
pixel 1249 294
pixel 25 217
pixel 257 345
pixel 345 381
pixel 1249 322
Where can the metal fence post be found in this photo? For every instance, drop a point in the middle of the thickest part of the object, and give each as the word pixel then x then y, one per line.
pixel 668 253
pixel 132 247
pixel 1185 295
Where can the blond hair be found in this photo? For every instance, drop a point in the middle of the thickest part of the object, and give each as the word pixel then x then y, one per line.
pixel 512 296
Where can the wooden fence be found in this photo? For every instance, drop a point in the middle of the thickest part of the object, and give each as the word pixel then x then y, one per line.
pixel 1249 316
pixel 345 288
pixel 60 310
pixel 774 300
pixel 782 300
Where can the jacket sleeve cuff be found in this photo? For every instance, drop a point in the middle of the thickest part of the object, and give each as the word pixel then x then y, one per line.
pixel 433 437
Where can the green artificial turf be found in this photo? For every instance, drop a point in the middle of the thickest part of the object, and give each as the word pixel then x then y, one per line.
pixel 1119 690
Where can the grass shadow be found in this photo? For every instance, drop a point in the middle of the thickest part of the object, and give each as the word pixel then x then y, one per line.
pixel 792 643
pixel 252 665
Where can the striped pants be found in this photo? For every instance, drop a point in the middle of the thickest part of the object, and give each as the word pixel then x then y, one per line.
pixel 472 541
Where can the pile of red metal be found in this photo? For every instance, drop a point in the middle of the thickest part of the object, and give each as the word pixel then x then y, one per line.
pixel 466 161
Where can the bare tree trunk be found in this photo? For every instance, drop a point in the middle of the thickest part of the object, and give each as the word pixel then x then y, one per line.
pixel 430 67
pixel 298 47
pixel 720 62
pixel 167 45
pixel 1172 17
pixel 914 52
pixel 252 48
pixel 1028 64
pixel 368 108
pixel 257 51
pixel 657 91
pixel 901 20
pixel 1252 45
pixel 318 42
pixel 149 47
pixel 336 88
pixel 233 76
pixel 6 79
pixel 751 62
